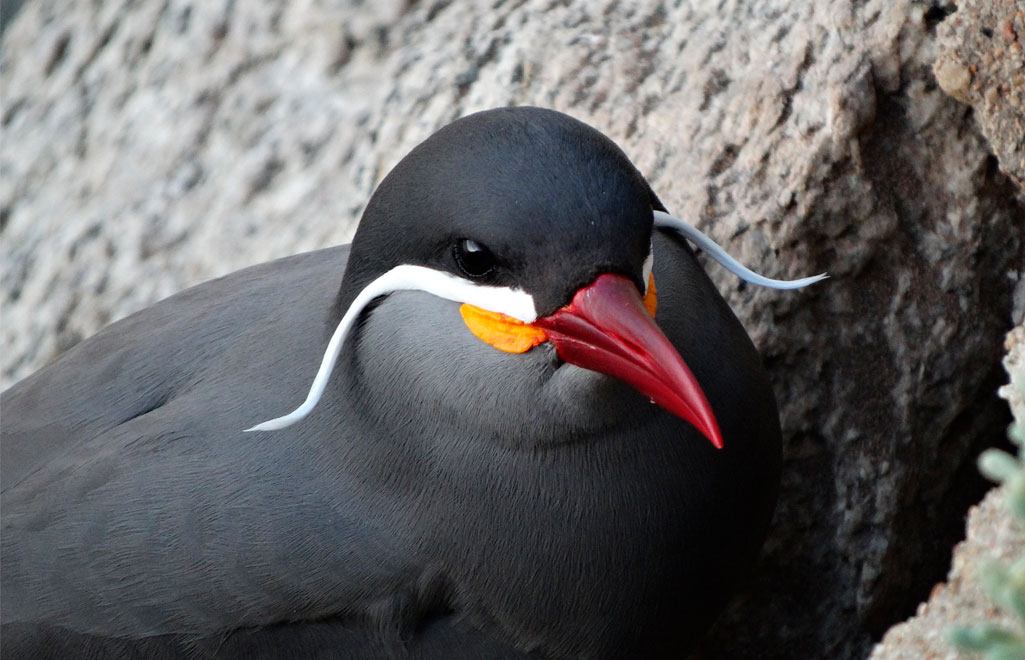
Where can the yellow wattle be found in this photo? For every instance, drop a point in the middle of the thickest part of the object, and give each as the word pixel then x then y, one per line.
pixel 650 297
pixel 500 330
pixel 514 336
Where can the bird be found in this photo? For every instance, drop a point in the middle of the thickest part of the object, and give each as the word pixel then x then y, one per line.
pixel 535 430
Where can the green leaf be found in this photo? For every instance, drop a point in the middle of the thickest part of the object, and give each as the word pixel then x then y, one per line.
pixel 1008 651
pixel 994 580
pixel 1016 600
pixel 1005 587
pixel 1016 495
pixel 983 637
pixel 1016 433
pixel 997 465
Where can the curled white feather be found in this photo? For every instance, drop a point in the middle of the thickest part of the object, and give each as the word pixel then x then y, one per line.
pixel 649 263
pixel 512 302
pixel 728 262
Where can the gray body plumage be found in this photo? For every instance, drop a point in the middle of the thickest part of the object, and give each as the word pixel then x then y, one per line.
pixel 444 500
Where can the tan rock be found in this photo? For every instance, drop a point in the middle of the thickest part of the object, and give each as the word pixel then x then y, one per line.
pixel 981 62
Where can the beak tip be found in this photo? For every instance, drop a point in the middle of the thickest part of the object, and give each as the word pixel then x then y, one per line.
pixel 711 431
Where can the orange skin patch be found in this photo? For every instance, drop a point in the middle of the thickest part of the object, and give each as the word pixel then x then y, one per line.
pixel 650 298
pixel 501 331
pixel 514 336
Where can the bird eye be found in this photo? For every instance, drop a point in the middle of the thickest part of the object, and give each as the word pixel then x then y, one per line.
pixel 473 259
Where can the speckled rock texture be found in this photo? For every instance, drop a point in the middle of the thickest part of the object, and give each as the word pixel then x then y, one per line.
pixel 150 146
pixel 1014 362
pixel 993 535
pixel 981 61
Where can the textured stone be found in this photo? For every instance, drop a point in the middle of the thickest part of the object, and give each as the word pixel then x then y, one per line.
pixel 981 61
pixel 993 535
pixel 151 146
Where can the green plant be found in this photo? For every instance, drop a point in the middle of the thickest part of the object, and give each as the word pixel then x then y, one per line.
pixel 1004 585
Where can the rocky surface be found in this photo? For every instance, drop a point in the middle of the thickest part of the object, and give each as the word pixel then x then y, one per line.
pixel 981 61
pixel 993 535
pixel 150 146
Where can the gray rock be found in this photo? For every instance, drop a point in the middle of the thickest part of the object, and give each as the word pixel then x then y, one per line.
pixel 8 10
pixel 981 61
pixel 148 147
pixel 993 535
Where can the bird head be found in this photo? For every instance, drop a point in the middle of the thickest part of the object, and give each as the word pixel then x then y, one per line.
pixel 539 229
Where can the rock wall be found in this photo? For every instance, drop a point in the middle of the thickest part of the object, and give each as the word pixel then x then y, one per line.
pixel 150 146
pixel 993 535
pixel 980 62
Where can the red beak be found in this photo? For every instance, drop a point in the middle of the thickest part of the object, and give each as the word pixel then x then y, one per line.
pixel 607 329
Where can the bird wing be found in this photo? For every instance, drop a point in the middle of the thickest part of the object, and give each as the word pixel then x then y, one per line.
pixel 137 365
pixel 133 503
